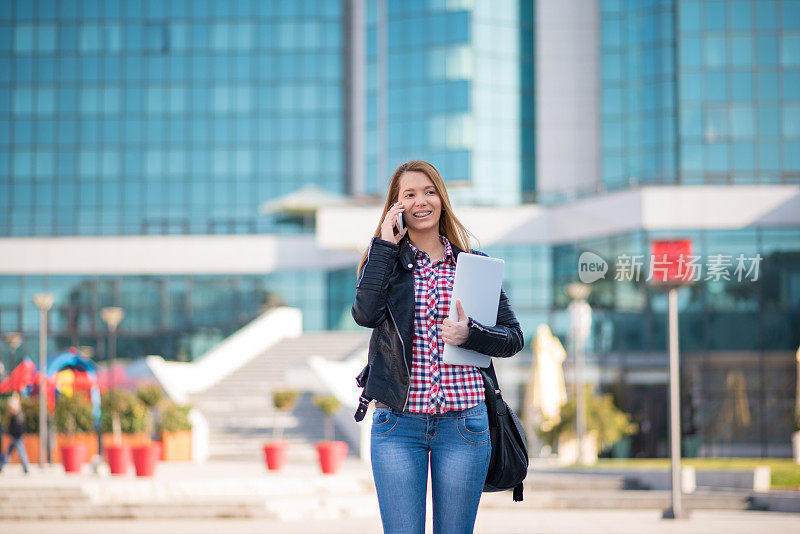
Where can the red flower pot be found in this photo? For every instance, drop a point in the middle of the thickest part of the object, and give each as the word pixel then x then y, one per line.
pixel 276 454
pixel 144 460
pixel 331 455
pixel 159 450
pixel 118 458
pixel 73 456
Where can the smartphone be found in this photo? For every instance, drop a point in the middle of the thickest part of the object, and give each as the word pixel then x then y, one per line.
pixel 399 223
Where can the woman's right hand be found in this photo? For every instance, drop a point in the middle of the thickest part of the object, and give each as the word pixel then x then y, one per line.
pixel 388 225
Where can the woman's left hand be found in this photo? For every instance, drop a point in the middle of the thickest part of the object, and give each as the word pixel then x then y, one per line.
pixel 456 332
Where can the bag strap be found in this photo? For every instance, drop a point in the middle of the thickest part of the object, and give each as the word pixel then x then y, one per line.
pixel 494 398
pixel 363 404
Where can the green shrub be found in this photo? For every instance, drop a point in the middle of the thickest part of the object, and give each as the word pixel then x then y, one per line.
pixel 30 407
pixel 327 404
pixel 73 414
pixel 132 412
pixel 174 417
pixel 602 416
pixel 285 399
pixel 150 395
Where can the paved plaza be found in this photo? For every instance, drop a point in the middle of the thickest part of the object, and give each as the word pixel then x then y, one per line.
pixel 489 522
pixel 301 500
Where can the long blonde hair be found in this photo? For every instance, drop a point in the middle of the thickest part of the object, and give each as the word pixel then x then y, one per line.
pixel 449 225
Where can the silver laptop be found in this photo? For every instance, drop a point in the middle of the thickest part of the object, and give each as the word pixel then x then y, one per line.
pixel 477 285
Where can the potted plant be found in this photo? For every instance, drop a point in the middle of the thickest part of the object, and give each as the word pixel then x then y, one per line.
pixel 123 422
pixel 331 453
pixel 276 452
pixel 72 417
pixel 123 418
pixel 151 396
pixel 175 429
pixel 605 425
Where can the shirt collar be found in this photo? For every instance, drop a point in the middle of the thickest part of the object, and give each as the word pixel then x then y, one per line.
pixel 448 250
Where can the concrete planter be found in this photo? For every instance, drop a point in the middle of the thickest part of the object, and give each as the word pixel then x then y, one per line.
pixel 568 449
pixel 31 442
pixel 177 446
pixel 131 440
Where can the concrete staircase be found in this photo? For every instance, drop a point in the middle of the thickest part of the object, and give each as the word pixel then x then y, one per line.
pixel 183 490
pixel 239 407
pixel 565 490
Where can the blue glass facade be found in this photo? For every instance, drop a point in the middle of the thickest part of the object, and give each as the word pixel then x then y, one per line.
pixel 700 92
pixel 147 118
pixel 638 93
pixel 165 117
pixel 179 317
pixel 153 118
pixel 429 74
pixel 454 90
pixel 726 326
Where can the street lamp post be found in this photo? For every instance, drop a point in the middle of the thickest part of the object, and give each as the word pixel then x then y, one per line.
pixel 112 316
pixel 43 301
pixel 580 318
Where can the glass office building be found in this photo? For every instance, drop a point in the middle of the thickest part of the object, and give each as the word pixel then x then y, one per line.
pixel 173 118
pixel 166 118
pixel 451 81
pixel 703 92
pixel 141 118
pixel 700 92
pixel 737 338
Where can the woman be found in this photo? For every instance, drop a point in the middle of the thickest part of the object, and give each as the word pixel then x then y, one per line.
pixel 424 407
pixel 16 428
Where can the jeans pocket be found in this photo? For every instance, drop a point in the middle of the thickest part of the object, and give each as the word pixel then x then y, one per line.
pixel 383 421
pixel 474 428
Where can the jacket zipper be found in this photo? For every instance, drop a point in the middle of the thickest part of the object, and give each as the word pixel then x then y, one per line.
pixel 364 268
pixel 484 329
pixel 405 363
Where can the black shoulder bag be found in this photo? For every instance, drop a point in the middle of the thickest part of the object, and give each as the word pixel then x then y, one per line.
pixel 508 466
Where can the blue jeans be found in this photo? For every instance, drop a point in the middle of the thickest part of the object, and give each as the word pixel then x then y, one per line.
pixel 459 448
pixel 23 455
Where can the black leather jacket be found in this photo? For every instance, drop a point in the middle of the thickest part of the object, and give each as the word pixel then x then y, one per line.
pixel 385 303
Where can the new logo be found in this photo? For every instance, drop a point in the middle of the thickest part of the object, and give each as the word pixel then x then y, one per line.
pixel 591 267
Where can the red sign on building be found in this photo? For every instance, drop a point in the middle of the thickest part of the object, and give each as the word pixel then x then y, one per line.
pixel 672 263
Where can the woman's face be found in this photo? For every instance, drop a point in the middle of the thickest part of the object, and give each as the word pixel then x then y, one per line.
pixel 422 204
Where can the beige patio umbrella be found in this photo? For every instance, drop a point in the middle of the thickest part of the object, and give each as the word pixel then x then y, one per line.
pixel 735 407
pixel 547 390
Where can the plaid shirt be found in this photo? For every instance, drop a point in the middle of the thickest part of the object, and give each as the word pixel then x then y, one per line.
pixel 437 387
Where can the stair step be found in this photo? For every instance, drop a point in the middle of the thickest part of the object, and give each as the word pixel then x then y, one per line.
pixel 239 407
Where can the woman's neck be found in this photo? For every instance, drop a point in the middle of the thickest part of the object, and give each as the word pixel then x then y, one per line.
pixel 428 242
